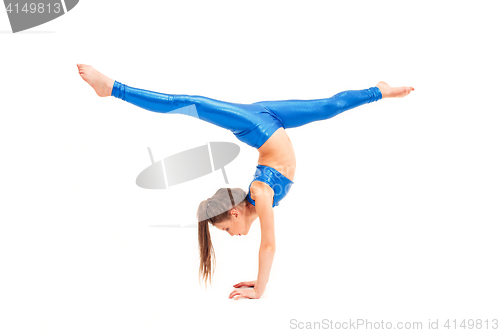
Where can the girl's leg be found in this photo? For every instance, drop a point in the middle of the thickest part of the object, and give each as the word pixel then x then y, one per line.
pixel 230 116
pixel 295 113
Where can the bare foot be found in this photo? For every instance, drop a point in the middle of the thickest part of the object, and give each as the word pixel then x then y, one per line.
pixel 102 84
pixel 388 91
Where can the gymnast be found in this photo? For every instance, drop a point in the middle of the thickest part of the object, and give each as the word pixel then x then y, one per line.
pixel 261 125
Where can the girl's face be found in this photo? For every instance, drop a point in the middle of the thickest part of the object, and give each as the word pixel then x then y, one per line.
pixel 235 226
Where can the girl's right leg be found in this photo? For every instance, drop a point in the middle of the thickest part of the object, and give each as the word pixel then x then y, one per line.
pixel 295 113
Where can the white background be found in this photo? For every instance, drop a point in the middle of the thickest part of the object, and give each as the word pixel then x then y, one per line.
pixel 393 215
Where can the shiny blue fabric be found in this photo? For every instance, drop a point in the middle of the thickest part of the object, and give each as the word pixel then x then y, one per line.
pixel 253 123
pixel 275 179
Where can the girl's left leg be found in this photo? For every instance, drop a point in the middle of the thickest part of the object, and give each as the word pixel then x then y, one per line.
pixel 231 116
pixel 295 113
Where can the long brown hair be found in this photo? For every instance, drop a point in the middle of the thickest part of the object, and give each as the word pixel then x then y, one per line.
pixel 214 210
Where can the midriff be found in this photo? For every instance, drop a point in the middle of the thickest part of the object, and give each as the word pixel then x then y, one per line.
pixel 277 152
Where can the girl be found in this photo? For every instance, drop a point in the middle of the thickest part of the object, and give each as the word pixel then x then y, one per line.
pixel 261 125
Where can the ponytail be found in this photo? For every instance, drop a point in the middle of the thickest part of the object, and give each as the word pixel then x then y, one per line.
pixel 215 209
pixel 206 251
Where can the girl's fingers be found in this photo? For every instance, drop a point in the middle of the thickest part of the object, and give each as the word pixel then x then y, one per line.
pixel 237 297
pixel 242 294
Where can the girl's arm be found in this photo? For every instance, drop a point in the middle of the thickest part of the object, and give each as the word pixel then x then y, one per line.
pixel 264 196
pixel 264 208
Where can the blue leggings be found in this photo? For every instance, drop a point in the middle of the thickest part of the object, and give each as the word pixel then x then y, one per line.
pixel 251 123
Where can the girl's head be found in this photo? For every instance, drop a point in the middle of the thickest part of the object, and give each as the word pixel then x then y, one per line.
pixel 227 210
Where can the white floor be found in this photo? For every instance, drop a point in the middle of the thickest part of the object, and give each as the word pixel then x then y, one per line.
pixel 393 216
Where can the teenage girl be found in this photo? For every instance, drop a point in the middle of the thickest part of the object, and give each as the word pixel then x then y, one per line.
pixel 261 125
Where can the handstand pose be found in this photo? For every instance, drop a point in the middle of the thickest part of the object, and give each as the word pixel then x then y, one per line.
pixel 260 125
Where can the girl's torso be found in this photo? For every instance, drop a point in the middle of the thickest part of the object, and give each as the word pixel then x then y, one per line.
pixel 277 153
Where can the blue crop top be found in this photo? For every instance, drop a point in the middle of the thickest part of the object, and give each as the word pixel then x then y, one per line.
pixel 272 177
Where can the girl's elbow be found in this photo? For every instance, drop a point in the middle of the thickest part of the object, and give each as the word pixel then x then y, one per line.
pixel 268 247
